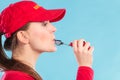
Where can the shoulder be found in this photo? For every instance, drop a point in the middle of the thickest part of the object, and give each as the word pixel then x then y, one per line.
pixel 13 75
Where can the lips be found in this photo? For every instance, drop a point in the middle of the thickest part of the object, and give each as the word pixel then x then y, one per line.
pixel 53 41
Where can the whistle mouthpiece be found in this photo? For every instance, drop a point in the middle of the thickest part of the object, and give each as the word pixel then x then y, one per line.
pixel 59 43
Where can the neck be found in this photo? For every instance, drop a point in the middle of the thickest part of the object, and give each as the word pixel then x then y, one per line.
pixel 26 56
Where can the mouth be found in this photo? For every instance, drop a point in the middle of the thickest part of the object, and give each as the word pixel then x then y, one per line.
pixel 54 40
pixel 58 42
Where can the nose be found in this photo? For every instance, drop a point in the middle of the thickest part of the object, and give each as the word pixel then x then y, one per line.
pixel 53 28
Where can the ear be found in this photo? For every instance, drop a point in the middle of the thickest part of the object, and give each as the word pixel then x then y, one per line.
pixel 23 37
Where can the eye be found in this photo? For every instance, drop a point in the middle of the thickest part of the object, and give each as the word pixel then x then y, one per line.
pixel 44 23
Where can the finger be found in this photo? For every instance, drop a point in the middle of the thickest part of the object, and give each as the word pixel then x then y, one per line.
pixel 84 43
pixel 87 45
pixel 81 43
pixel 91 49
pixel 75 45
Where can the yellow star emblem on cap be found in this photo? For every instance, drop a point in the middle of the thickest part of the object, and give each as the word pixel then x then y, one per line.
pixel 36 7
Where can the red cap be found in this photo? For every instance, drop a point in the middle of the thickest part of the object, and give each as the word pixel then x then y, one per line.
pixel 20 13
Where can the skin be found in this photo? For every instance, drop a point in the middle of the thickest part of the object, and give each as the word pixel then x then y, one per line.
pixel 83 52
pixel 39 38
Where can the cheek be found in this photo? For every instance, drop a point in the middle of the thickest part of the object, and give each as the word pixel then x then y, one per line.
pixel 42 37
pixel 40 41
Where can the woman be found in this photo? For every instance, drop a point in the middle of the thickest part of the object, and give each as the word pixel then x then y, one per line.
pixel 29 32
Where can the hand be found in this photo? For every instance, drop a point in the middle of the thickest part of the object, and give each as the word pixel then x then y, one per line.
pixel 83 52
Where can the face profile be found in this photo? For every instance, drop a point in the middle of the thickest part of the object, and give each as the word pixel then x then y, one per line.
pixel 29 32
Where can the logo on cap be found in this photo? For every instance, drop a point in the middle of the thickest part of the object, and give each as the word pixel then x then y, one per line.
pixel 36 7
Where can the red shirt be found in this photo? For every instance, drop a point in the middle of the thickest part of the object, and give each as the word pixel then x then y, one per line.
pixel 84 73
pixel 16 75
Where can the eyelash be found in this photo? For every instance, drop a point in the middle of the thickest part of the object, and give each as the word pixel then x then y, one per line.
pixel 44 23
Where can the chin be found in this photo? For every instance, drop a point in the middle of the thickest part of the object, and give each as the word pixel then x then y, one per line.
pixel 52 49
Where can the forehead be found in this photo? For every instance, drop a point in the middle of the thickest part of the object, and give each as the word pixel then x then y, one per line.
pixel 35 23
pixel 38 23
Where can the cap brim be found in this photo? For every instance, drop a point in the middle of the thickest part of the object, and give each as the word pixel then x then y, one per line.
pixel 55 14
pixel 52 15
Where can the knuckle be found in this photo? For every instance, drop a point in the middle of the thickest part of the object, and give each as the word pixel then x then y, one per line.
pixel 74 41
pixel 88 43
pixel 81 40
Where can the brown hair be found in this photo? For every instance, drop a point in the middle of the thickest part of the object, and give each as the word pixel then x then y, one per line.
pixel 7 63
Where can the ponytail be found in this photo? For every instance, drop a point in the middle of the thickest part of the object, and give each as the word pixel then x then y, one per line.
pixel 3 56
pixel 7 63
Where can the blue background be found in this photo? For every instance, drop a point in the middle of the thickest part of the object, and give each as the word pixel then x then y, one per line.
pixel 98 22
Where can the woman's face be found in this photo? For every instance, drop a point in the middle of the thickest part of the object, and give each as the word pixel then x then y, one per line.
pixel 41 36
